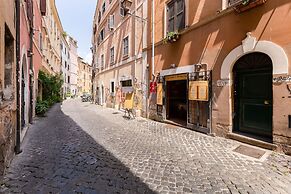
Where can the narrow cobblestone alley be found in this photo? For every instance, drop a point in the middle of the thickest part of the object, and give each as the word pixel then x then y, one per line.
pixel 84 148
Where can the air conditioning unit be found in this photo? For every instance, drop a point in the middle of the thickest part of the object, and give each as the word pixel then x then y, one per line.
pixel 111 22
pixel 232 3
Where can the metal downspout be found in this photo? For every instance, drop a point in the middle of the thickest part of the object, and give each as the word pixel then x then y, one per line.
pixel 31 73
pixel 18 123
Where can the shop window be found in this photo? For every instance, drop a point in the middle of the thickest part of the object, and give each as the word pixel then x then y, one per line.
pixel 175 15
pixel 9 60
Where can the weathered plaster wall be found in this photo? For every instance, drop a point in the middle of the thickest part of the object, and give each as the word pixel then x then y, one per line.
pixel 7 107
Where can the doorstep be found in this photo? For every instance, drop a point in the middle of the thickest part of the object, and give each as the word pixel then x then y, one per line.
pixel 252 141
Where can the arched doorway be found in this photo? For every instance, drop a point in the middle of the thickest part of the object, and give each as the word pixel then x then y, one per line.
pixel 253 96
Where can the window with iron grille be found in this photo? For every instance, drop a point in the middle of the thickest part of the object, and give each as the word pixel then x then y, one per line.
pixel 175 15
pixel 125 46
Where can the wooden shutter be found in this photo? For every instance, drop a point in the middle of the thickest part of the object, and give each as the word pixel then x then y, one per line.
pixel 29 7
pixel 171 17
pixel 180 15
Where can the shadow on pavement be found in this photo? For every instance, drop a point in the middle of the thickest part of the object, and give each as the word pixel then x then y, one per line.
pixel 59 157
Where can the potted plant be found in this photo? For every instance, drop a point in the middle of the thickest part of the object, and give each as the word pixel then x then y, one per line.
pixel 245 2
pixel 171 37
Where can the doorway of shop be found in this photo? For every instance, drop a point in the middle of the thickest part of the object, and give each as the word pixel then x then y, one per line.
pixel 177 101
pixel 253 96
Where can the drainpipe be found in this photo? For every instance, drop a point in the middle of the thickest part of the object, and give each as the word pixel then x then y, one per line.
pixel 31 73
pixel 18 122
pixel 153 39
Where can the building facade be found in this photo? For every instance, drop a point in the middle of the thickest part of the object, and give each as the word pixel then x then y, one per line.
pixel 51 35
pixel 119 40
pixel 84 77
pixel 65 71
pixel 30 46
pixel 8 84
pixel 222 67
pixel 73 66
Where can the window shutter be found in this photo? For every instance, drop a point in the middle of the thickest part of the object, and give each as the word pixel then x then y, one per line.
pixel 29 10
pixel 43 7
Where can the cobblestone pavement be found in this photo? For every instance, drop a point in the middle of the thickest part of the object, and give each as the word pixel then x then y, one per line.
pixel 84 148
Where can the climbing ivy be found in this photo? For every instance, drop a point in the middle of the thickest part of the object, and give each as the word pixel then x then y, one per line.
pixel 51 91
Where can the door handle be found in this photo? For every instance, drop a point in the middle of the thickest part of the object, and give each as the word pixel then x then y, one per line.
pixel 266 102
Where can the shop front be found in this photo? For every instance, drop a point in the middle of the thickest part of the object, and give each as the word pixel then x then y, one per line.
pixel 183 97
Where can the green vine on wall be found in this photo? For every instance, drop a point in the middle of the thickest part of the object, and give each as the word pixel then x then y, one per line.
pixel 51 92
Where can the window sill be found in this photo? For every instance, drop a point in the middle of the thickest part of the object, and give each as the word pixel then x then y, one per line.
pixel 125 57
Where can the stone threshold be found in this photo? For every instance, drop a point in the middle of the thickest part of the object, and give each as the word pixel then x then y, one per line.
pixel 252 141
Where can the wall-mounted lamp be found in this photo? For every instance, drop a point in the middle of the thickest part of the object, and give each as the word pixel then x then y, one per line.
pixel 30 53
pixel 173 65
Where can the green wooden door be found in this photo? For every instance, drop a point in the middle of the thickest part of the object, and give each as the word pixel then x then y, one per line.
pixel 254 102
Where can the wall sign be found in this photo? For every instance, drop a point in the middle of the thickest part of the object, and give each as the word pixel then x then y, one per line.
pixel 160 94
pixel 222 83
pixel 176 77
pixel 128 102
pixel 198 90
pixel 282 79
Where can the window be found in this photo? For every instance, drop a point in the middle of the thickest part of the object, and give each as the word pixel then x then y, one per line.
pixel 111 22
pixel 99 16
pixel 102 35
pixel 68 79
pixel 102 62
pixel 66 64
pixel 8 60
pixel 176 15
pixel 125 46
pixel 103 8
pixel 40 41
pixel 112 87
pixel 112 56
pixel 68 67
pixel 126 83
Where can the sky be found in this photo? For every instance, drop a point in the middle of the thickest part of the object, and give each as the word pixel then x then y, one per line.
pixel 77 19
